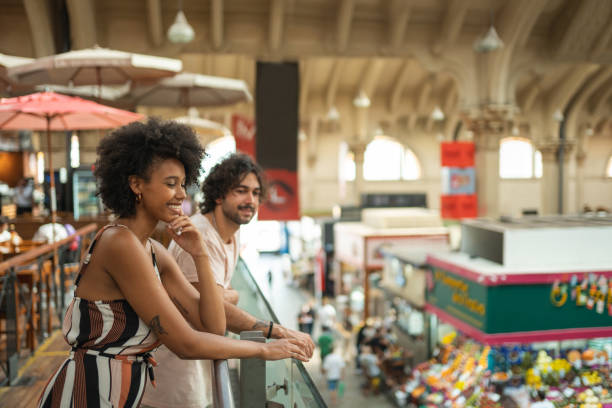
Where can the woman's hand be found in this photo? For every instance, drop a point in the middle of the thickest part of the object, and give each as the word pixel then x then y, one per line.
pixel 187 236
pixel 284 348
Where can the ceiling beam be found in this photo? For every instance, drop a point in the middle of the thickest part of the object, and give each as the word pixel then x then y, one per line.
pixel 603 39
pixel 216 23
pixel 593 84
pixel 39 17
pixel 277 16
pixel 156 29
pixel 345 19
pixel 527 98
pixel 579 26
pixel 451 25
pixel 423 97
pixel 559 96
pixel 332 83
pixel 400 84
pixel 399 13
pixel 305 80
pixel 82 24
pixel 369 79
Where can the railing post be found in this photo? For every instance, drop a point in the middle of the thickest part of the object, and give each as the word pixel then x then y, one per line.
pixel 12 354
pixel 222 387
pixel 252 375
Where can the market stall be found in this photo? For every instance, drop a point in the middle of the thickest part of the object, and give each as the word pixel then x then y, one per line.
pixel 524 321
pixel 359 245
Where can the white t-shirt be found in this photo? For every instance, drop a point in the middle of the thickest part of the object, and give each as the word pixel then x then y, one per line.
pixel 333 365
pixel 370 361
pixel 188 383
pixel 328 316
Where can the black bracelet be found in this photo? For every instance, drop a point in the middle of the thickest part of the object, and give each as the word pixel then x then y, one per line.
pixel 270 329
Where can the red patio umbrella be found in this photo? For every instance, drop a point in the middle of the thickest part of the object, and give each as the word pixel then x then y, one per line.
pixel 55 112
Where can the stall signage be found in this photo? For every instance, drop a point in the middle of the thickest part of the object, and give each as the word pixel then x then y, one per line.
pixel 459 297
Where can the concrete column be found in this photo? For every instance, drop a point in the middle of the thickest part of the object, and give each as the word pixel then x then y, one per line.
pixel 358 150
pixel 311 160
pixel 39 17
pixel 549 187
pixel 486 141
pixel 580 157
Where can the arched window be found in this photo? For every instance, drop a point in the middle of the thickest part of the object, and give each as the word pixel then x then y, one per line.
pixel 384 159
pixel 518 159
pixel 609 168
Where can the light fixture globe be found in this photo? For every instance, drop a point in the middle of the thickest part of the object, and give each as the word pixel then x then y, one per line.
pixel 437 114
pixel 180 32
pixel 490 42
pixel 361 100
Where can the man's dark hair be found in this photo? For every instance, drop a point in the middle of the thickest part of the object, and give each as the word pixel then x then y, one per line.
pixel 133 150
pixel 226 175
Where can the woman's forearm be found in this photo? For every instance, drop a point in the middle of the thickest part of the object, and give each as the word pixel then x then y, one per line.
pixel 214 347
pixel 211 305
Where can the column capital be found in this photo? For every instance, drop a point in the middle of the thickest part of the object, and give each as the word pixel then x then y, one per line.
pixel 550 148
pixel 358 149
pixel 487 141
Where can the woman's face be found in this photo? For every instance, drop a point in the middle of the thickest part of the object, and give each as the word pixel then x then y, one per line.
pixel 164 192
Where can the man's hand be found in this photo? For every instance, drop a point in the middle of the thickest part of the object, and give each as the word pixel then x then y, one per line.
pixel 231 295
pixel 280 332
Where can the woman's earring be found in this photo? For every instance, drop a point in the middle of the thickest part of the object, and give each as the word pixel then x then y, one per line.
pixel 138 197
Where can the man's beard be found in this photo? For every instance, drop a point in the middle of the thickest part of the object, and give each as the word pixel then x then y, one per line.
pixel 235 216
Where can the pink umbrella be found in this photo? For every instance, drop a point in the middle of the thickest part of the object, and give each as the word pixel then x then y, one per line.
pixel 55 112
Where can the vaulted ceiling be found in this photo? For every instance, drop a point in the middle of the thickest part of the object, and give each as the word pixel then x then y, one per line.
pixel 408 56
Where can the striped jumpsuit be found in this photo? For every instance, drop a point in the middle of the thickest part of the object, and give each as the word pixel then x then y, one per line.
pixel 110 356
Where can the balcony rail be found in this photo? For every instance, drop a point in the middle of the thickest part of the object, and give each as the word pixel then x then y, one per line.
pixel 284 383
pixel 31 283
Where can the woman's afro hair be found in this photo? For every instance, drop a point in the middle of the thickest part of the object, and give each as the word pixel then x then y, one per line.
pixel 133 149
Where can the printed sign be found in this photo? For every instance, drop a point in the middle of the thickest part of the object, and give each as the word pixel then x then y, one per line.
pixel 282 203
pixel 243 129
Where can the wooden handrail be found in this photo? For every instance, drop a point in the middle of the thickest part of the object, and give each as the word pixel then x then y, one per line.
pixel 33 253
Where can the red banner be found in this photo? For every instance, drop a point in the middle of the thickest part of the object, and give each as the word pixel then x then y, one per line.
pixel 243 129
pixel 283 202
pixel 457 154
pixel 459 206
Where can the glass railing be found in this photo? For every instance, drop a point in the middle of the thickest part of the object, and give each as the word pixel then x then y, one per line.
pixel 287 381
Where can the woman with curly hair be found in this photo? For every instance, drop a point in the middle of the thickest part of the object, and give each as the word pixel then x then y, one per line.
pixel 127 293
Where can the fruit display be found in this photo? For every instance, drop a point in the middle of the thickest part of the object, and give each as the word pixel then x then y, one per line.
pixel 466 374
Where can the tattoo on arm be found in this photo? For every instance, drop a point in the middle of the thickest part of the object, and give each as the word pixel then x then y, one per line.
pixel 156 326
pixel 180 307
pixel 259 324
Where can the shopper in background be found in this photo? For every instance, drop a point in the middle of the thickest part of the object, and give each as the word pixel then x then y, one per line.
pixel 45 233
pixel 5 234
pixel 306 318
pixel 23 196
pixel 233 191
pixel 333 368
pixel 327 314
pixel 325 342
pixel 371 367
pixel 142 170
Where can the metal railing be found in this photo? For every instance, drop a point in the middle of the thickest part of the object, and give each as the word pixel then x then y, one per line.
pixel 283 383
pixel 49 280
pixel 222 385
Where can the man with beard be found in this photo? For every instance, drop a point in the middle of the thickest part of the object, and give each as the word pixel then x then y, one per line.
pixel 232 193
